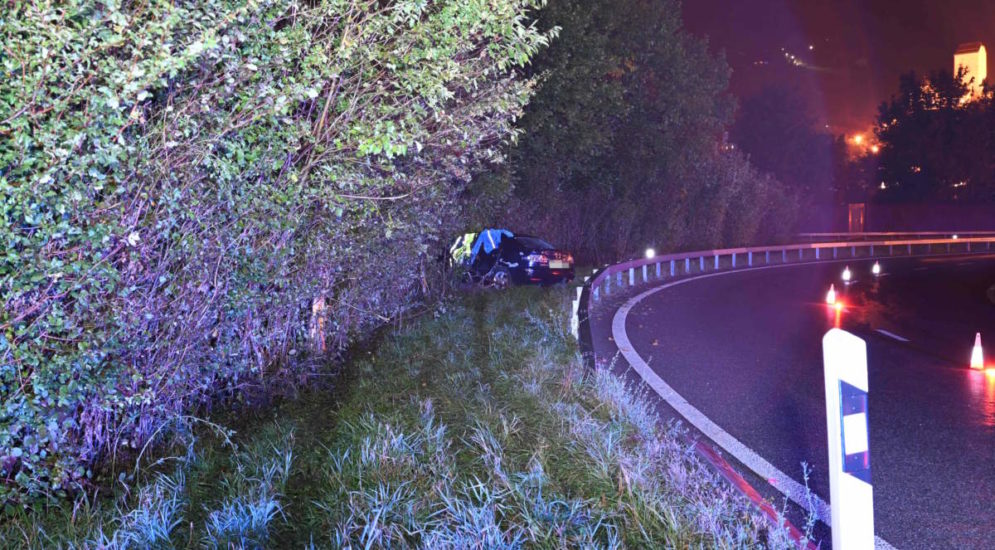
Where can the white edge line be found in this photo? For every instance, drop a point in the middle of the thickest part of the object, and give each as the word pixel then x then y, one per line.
pixel 780 481
pixel 892 335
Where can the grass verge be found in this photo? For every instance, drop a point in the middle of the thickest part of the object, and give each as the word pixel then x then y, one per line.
pixel 473 428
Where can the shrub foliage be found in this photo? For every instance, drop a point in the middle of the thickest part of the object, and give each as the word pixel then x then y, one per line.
pixel 186 187
pixel 623 145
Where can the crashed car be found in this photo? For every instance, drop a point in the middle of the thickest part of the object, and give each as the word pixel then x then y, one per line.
pixel 500 258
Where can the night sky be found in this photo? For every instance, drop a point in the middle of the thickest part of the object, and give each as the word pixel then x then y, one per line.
pixel 859 47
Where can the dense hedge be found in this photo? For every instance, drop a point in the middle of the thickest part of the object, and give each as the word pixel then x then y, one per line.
pixel 187 186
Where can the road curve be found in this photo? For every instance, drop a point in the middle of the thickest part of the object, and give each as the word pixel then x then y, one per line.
pixel 741 350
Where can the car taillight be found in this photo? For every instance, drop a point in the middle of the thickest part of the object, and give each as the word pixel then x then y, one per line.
pixel 537 259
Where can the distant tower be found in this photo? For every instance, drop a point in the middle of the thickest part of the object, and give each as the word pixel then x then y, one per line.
pixel 973 57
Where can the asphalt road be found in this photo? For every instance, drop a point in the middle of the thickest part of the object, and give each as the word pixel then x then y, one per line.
pixel 745 349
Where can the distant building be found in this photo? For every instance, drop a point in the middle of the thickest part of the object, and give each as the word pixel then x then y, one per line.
pixel 974 58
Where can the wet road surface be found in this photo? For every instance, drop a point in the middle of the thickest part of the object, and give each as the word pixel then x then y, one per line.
pixel 745 349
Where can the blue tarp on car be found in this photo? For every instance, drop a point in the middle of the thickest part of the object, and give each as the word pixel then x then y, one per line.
pixel 489 240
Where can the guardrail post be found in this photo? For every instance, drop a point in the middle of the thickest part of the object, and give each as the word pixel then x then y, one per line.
pixel 673 268
pixel 784 256
pixel 872 250
pixel 632 276
pixel 817 254
pixel 687 265
pixel 658 276
pixel 701 264
pixel 734 259
pixel 646 277
pixel 749 258
pixel 619 276
pixel 716 262
pixel 768 257
pixel 801 254
pixel 596 296
pixel 891 250
pixel 608 286
pixel 853 251
pixel 835 252
pixel 948 247
pixel 910 249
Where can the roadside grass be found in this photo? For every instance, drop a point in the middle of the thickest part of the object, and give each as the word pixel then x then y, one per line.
pixel 473 428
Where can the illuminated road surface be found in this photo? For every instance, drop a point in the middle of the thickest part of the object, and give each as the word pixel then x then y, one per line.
pixel 745 350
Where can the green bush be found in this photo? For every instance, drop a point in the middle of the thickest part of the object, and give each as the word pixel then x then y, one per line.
pixel 186 187
pixel 623 145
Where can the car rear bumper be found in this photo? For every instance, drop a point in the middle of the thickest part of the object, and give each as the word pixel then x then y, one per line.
pixel 544 275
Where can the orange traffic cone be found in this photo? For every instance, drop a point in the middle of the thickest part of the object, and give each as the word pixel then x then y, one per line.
pixel 977 354
pixel 831 295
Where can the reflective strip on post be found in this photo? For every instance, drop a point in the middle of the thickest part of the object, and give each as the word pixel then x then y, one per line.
pixel 575 319
pixel 851 493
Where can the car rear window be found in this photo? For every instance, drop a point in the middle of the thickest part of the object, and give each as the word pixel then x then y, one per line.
pixel 534 243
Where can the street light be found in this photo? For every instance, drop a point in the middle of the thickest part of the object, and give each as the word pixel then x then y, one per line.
pixel 650 253
pixel 847 274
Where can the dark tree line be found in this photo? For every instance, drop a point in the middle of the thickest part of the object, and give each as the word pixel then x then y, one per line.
pixel 776 130
pixel 936 145
pixel 623 147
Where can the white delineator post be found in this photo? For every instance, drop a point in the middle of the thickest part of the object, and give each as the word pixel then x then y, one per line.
pixel 851 493
pixel 575 318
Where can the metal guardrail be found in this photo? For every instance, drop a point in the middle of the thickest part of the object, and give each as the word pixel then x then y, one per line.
pixel 615 278
pixel 822 237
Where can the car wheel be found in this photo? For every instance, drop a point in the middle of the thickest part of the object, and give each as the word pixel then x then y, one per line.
pixel 501 278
